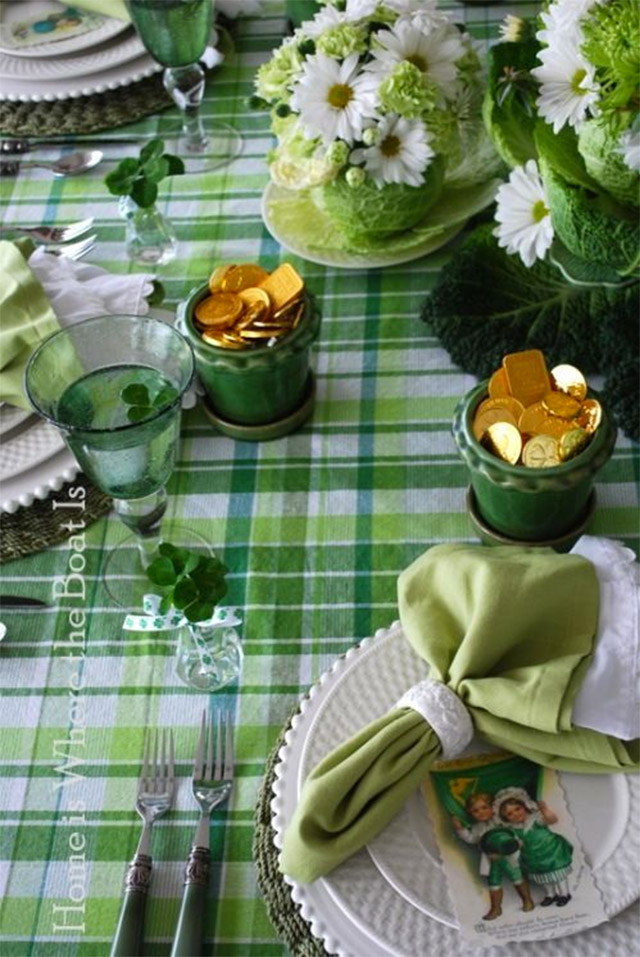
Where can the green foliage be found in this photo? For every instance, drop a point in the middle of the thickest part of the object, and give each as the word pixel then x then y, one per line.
pixel 612 44
pixel 487 303
pixel 139 178
pixel 598 145
pixel 192 583
pixel 508 108
pixel 141 404
pixel 367 210
pixel 560 151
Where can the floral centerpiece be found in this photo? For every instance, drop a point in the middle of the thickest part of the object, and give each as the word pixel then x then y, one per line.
pixel 376 108
pixel 558 270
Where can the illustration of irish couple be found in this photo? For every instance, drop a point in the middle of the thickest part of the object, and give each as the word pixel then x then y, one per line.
pixel 516 843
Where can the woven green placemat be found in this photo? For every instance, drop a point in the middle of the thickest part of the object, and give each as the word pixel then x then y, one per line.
pixel 283 913
pixel 38 527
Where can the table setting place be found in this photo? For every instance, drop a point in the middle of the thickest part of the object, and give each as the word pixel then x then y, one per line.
pixel 319 424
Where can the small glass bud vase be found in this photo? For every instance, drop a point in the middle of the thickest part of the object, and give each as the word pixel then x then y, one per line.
pixel 209 655
pixel 150 239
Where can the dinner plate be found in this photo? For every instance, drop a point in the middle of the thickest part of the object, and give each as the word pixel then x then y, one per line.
pixel 38 482
pixel 31 445
pixel 118 50
pixel 11 417
pixel 338 257
pixel 22 10
pixel 355 910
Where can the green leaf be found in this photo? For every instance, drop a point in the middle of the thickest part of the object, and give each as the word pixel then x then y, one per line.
pixel 156 169
pixel 161 571
pixel 165 396
pixel 486 303
pixel 174 164
pixel 156 296
pixel 166 603
pixel 153 149
pixel 191 563
pixel 199 611
pixel 509 122
pixel 167 549
pixel 135 394
pixel 179 559
pixel 184 593
pixel 144 193
pixel 136 413
pixel 560 150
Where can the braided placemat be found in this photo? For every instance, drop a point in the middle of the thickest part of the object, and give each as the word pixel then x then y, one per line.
pixel 283 913
pixel 38 527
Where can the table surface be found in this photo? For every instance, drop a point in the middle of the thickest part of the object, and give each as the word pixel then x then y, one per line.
pixel 314 527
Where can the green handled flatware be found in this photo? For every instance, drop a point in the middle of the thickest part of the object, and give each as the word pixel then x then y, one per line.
pixel 156 787
pixel 211 786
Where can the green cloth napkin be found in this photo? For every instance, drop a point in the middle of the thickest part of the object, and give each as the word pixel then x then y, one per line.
pixel 26 318
pixel 109 8
pixel 511 631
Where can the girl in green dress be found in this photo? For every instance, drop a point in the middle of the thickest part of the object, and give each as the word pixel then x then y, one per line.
pixel 546 857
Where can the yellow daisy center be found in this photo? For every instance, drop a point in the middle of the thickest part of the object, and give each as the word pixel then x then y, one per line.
pixel 390 146
pixel 418 61
pixel 339 95
pixel 539 211
pixel 576 80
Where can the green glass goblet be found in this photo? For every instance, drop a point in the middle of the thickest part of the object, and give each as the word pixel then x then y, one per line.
pixel 113 387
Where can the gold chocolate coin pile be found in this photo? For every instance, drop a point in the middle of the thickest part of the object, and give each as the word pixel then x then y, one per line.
pixel 534 417
pixel 250 307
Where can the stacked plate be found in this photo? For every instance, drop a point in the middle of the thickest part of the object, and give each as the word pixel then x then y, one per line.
pixel 33 458
pixel 391 899
pixel 53 51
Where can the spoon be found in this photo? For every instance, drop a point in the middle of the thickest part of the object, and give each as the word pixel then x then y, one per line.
pixel 68 165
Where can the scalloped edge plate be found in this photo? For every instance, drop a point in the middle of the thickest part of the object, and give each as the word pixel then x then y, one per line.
pixel 110 28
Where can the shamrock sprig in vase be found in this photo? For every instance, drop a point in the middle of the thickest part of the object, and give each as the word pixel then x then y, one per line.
pixel 150 238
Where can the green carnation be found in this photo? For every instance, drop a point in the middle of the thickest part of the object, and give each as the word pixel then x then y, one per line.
pixel 612 45
pixel 275 77
pixel 338 153
pixel 355 176
pixel 342 40
pixel 407 91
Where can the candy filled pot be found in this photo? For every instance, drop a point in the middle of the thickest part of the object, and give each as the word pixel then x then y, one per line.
pixel 530 505
pixel 268 388
pixel 209 655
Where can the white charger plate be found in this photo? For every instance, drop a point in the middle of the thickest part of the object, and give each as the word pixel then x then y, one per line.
pixel 355 910
pixel 30 9
pixel 33 443
pixel 120 49
pixel 28 91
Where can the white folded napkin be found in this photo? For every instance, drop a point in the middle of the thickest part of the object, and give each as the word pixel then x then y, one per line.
pixel 78 290
pixel 609 697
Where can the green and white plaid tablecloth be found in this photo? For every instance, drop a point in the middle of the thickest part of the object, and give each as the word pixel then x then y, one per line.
pixel 314 527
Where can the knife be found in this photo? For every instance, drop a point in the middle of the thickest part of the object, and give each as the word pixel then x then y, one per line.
pixel 13 145
pixel 21 601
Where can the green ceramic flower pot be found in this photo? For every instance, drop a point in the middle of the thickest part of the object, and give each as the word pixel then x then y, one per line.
pixel 253 387
pixel 532 505
pixel 300 10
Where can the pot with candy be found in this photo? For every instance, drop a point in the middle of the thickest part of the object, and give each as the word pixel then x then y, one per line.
pixel 533 441
pixel 251 333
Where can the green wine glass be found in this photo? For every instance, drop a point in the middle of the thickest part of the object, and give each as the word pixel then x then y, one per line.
pixel 176 34
pixel 113 387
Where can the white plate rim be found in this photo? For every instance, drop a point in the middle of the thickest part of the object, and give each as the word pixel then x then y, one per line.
pixel 110 28
pixel 121 51
pixel 317 901
pixel 22 490
pixel 341 260
pixel 49 440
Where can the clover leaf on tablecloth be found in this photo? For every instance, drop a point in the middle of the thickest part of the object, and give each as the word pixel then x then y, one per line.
pixel 139 178
pixel 190 582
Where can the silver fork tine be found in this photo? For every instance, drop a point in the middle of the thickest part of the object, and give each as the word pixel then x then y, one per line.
pixel 163 770
pixel 197 764
pixel 210 750
pixel 228 748
pixel 73 250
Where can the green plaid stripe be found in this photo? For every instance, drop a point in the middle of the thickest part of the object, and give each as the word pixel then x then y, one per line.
pixel 315 528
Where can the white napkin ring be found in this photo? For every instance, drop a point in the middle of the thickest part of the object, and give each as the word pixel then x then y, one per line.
pixel 444 711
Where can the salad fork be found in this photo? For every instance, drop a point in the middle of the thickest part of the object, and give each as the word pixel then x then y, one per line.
pixel 51 234
pixel 73 250
pixel 211 786
pixel 156 786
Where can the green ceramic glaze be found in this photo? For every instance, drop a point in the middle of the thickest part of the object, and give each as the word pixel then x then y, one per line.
pixel 299 10
pixel 529 504
pixel 255 386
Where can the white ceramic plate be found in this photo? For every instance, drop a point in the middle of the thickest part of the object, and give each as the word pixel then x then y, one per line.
pixel 26 91
pixel 119 50
pixel 28 447
pixel 32 9
pixel 11 417
pixel 355 910
pixel 339 258
pixel 36 483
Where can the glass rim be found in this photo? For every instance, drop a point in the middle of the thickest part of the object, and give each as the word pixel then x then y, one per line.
pixel 127 425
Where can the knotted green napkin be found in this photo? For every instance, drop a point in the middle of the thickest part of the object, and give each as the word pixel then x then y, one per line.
pixel 510 631
pixel 26 318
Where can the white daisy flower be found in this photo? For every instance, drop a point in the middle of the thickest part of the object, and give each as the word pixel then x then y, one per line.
pixel 629 148
pixel 333 98
pixel 435 53
pixel 359 9
pixel 400 154
pixel 562 21
pixel 524 224
pixel 325 19
pixel 568 90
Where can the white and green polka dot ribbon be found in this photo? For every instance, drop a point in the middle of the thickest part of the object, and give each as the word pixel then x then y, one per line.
pixel 153 620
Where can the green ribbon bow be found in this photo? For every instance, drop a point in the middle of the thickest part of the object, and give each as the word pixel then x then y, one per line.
pixel 510 631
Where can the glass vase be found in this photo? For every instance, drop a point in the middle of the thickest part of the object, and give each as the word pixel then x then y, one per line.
pixel 150 239
pixel 209 656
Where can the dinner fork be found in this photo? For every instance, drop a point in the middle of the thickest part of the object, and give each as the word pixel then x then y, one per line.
pixel 73 250
pixel 51 234
pixel 156 786
pixel 211 786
